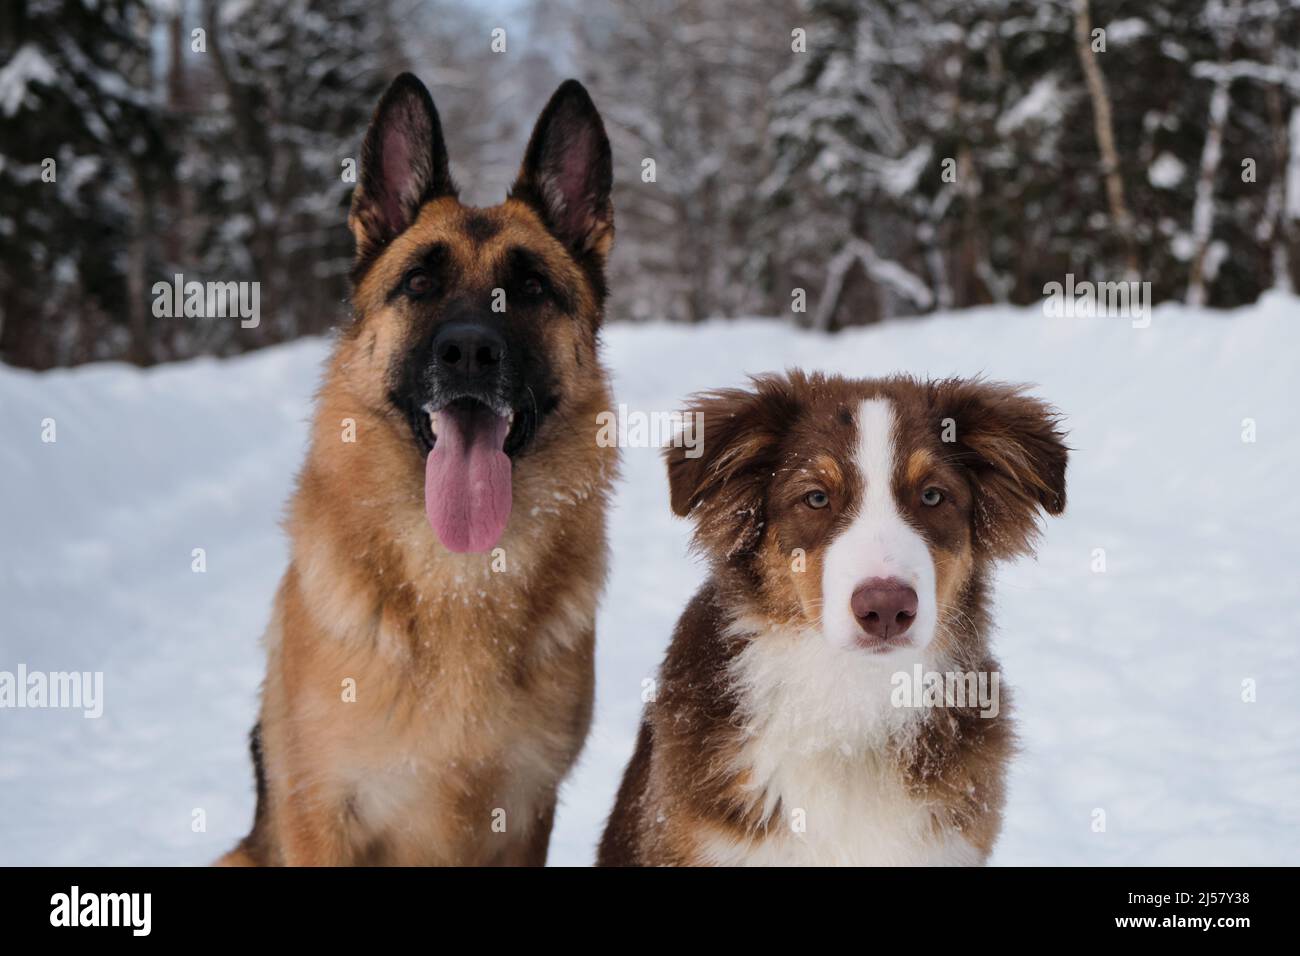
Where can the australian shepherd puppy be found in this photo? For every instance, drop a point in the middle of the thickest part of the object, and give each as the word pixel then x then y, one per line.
pixel 829 696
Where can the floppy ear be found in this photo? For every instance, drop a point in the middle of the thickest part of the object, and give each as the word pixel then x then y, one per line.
pixel 1015 452
pixel 567 172
pixel 403 165
pixel 723 488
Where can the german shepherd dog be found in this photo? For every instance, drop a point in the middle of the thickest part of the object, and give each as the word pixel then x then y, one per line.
pixel 429 675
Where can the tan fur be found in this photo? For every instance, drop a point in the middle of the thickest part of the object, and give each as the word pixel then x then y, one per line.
pixel 473 681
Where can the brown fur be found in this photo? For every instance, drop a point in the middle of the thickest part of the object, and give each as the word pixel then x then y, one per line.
pixel 764 450
pixel 473 680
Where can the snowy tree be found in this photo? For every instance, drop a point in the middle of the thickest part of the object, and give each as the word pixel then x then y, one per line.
pixel 293 87
pixel 831 161
pixel 846 161
pixel 295 84
pixel 84 160
pixel 683 88
pixel 986 148
pixel 1090 46
pixel 899 134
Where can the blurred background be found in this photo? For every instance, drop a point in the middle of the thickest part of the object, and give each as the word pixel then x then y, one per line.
pixel 888 158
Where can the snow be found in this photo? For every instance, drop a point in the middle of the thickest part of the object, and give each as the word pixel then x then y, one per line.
pixel 1128 683
pixel 1166 171
pixel 25 67
pixel 1044 105
pixel 899 177
pixel 885 271
pixel 1121 32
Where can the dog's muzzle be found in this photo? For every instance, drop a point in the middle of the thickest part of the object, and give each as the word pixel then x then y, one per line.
pixel 469 360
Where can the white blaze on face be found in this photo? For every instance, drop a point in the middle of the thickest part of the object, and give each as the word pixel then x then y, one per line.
pixel 879 542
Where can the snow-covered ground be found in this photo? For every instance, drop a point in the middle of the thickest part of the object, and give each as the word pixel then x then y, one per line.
pixel 1129 682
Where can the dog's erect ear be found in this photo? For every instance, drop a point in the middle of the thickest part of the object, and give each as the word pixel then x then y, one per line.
pixel 1015 451
pixel 568 173
pixel 719 479
pixel 403 165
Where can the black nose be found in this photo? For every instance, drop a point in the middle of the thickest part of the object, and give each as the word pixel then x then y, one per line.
pixel 468 350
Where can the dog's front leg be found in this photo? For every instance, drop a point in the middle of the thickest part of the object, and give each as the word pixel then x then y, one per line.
pixel 313 829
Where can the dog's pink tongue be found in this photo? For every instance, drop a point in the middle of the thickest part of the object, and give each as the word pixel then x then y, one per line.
pixel 467 480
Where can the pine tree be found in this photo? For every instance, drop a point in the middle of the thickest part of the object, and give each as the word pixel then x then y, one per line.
pixel 683 88
pixel 85 157
pixel 294 84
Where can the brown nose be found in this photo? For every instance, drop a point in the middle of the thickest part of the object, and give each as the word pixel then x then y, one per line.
pixel 884 607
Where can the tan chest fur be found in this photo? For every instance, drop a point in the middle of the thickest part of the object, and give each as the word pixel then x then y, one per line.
pixel 421 706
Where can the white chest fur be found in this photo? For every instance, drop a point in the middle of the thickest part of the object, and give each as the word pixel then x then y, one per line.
pixel 821 758
pixel 832 813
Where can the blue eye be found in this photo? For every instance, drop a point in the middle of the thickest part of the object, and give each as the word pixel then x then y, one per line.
pixel 817 499
pixel 931 497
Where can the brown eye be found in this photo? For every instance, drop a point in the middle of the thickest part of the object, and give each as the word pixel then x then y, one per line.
pixel 533 285
pixel 817 499
pixel 931 497
pixel 417 282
